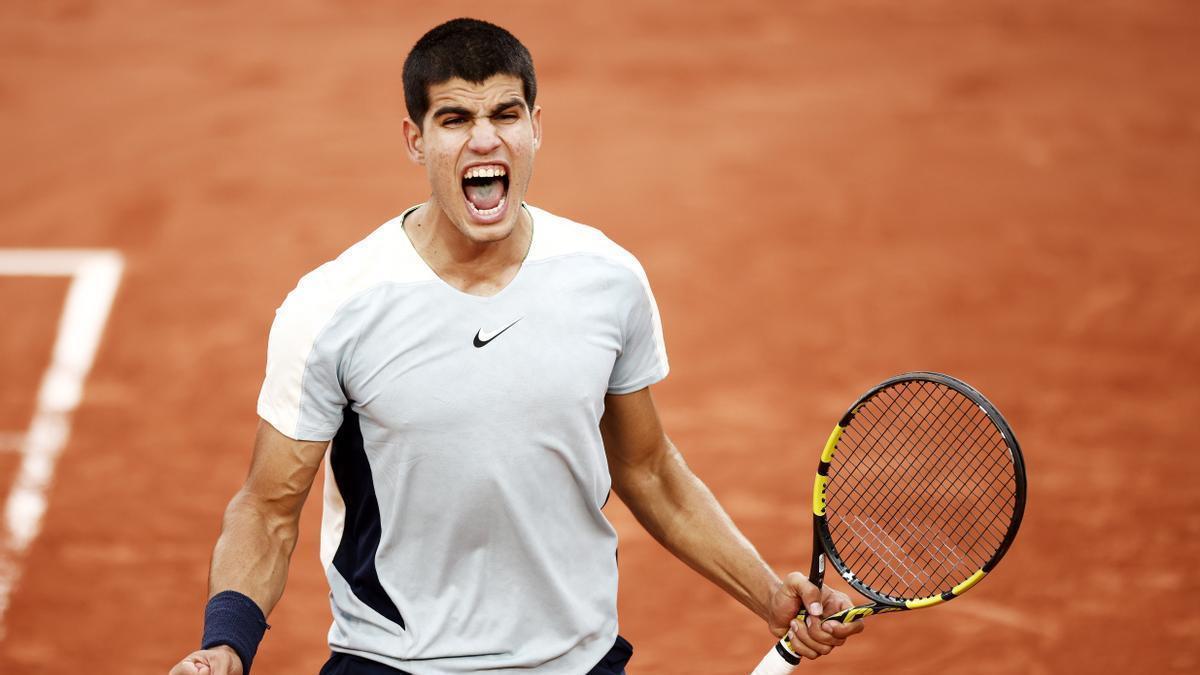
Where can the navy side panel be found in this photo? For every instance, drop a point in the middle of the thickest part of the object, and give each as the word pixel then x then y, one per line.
pixel 355 557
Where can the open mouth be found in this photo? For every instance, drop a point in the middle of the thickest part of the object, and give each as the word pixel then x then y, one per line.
pixel 486 190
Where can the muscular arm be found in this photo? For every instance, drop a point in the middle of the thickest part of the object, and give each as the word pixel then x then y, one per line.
pixel 258 535
pixel 676 508
pixel 650 476
pixel 262 520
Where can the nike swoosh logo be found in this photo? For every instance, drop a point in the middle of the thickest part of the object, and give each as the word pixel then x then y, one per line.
pixel 481 339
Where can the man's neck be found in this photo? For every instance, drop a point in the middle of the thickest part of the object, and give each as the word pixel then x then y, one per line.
pixel 476 268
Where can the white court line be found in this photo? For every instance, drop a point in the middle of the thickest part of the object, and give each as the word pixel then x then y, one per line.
pixel 95 276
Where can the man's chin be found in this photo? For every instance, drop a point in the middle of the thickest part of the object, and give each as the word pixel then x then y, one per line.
pixel 488 232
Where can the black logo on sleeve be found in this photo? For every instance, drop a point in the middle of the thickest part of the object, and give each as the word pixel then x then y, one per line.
pixel 482 338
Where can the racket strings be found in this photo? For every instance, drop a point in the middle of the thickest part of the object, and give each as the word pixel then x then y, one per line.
pixel 962 477
pixel 907 537
pixel 935 546
pixel 893 552
pixel 921 491
pixel 913 445
pixel 907 534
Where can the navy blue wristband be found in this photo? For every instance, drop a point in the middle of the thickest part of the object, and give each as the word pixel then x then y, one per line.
pixel 233 619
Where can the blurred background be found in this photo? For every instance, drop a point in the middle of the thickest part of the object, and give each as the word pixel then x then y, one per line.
pixel 823 194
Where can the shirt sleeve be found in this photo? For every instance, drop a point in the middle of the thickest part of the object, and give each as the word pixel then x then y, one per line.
pixel 302 394
pixel 642 360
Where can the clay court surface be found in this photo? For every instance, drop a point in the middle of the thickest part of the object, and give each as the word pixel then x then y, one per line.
pixel 823 194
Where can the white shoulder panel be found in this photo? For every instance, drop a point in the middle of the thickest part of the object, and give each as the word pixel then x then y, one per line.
pixel 384 256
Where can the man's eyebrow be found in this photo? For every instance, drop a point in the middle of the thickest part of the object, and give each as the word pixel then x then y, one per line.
pixel 511 103
pixel 463 112
pixel 451 110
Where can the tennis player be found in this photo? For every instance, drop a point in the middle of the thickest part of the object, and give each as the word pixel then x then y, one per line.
pixel 478 371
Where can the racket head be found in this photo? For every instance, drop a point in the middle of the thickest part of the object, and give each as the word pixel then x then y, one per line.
pixel 920 491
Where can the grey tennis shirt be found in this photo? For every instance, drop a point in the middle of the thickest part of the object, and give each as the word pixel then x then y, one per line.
pixel 462 529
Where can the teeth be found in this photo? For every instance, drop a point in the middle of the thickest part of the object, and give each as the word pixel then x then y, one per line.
pixel 490 212
pixel 489 171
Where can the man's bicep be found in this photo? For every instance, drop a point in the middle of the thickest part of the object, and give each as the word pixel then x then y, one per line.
pixel 631 429
pixel 282 469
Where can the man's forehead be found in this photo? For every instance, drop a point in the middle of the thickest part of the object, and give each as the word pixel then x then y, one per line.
pixel 459 92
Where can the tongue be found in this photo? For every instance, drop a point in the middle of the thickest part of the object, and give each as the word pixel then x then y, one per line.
pixel 485 195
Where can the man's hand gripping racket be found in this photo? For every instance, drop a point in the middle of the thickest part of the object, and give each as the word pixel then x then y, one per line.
pixel 919 493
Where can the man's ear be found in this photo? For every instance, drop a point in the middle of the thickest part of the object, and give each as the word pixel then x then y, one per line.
pixel 414 142
pixel 535 119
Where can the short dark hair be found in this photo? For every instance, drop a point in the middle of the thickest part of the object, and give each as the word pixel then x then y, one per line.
pixel 469 49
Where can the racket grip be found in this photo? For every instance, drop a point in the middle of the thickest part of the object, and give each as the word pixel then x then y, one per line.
pixel 779 661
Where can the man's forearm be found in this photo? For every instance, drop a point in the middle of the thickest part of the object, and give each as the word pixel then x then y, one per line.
pixel 679 510
pixel 252 554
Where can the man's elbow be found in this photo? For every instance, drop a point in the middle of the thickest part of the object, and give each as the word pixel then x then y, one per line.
pixel 646 478
pixel 278 519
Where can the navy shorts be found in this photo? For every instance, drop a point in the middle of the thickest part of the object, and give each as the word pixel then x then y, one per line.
pixel 613 663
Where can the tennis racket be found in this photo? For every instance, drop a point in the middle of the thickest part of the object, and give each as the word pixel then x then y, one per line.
pixel 919 493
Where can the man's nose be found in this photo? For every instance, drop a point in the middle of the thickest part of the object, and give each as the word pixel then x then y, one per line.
pixel 484 138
